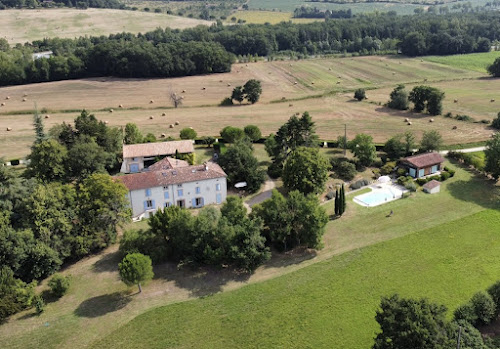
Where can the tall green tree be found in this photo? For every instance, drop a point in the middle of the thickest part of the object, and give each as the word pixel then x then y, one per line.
pixel 241 165
pixel 102 206
pixel 342 200
pixel 394 147
pixel 492 155
pixel 252 90
pixel 305 170
pixel 253 132
pixel 431 141
pixel 337 203
pixel 238 94
pixel 363 148
pixel 86 157
pixel 132 134
pixel 399 98
pixel 48 159
pixel 427 97
pixel 39 129
pixel 494 68
pixel 409 323
pixel 136 269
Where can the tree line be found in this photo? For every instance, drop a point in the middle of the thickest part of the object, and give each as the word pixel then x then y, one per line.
pixel 203 50
pixel 63 207
pixel 68 3
pixel 308 12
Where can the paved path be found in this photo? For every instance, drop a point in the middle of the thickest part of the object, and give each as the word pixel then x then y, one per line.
pixel 267 191
pixel 468 150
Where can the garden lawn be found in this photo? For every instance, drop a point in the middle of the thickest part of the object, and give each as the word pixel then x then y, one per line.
pixel 330 304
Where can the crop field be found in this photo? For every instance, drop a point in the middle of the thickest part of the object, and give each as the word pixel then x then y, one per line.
pixel 330 103
pixel 401 7
pixel 273 17
pixel 20 26
pixel 474 61
pixel 340 279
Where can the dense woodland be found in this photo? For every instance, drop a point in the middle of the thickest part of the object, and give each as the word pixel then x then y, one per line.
pixel 203 50
pixel 69 3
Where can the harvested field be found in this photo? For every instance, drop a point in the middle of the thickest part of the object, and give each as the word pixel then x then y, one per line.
pixel 330 103
pixel 19 26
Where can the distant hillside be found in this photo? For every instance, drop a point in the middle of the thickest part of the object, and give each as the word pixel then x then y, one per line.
pixel 19 26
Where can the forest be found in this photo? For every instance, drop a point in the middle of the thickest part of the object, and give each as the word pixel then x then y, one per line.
pixel 68 3
pixel 204 50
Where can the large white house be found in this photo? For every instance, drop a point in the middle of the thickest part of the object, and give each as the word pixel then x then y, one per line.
pixel 137 157
pixel 174 182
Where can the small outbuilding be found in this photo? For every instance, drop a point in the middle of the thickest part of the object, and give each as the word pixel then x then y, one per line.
pixel 432 187
pixel 423 165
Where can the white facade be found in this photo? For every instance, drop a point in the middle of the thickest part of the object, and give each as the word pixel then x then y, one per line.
pixel 189 195
pixel 133 165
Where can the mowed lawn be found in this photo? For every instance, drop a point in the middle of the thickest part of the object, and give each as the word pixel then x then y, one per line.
pixel 330 304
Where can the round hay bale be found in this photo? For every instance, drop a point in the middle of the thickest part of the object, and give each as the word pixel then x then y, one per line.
pixel 330 69
pixel 339 77
pixel 220 81
pixel 106 122
pixel 406 120
pixel 177 123
pixel 297 113
pixel 203 88
pixel 454 128
pixel 163 135
pixel 163 114
pixel 393 73
pixel 24 99
pixel 47 116
pixel 9 128
pixel 312 82
pixel 191 128
pixel 182 97
pixel 8 97
pixel 151 117
pixel 120 106
pixel 290 105
pixel 283 98
pixel 338 82
pixel 151 102
pixel 111 110
pixel 3 104
pixel 183 91
pixel 431 120
pixel 455 101
pixel 25 95
pixel 409 123
pixel 228 85
pixel 171 126
pixel 492 100
pixel 295 83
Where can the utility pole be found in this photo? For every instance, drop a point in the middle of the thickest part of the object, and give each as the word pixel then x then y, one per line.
pixel 459 335
pixel 345 139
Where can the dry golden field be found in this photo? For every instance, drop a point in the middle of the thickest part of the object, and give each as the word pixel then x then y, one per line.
pixel 328 100
pixel 19 26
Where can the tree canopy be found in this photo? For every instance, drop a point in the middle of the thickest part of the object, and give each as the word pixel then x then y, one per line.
pixel 492 155
pixel 363 148
pixel 305 170
pixel 431 141
pixel 135 269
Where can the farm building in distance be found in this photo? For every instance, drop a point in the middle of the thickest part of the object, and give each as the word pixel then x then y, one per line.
pixel 423 165
pixel 44 54
pixel 174 182
pixel 138 157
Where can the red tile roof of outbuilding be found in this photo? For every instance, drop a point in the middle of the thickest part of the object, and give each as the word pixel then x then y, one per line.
pixel 424 160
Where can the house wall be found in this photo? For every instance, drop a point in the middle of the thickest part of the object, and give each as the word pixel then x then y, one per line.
pixel 131 161
pixel 416 172
pixel 159 197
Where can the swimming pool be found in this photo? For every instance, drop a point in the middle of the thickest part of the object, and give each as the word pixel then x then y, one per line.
pixel 379 196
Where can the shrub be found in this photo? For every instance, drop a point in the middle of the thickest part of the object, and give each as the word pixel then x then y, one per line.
pixel 484 307
pixel 411 186
pixel 496 122
pixel 476 162
pixel 448 115
pixel 465 312
pixel 421 181
pixel 59 285
pixel 401 180
pixel 232 134
pixel 360 94
pixel 252 132
pixel 435 177
pixel 401 171
pixel 485 121
pixel 330 195
pixel 463 117
pixel 346 170
pixel 359 184
pixel 226 102
pixel 388 168
pixel 188 133
pixel 494 291
pixel 445 176
pixel 39 304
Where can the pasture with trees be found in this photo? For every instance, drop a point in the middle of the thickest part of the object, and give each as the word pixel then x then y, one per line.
pixel 136 269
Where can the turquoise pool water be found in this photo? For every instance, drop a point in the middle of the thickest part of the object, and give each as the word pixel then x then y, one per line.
pixel 376 197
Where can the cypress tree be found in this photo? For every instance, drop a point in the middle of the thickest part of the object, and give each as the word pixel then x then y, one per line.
pixel 39 129
pixel 342 200
pixel 337 204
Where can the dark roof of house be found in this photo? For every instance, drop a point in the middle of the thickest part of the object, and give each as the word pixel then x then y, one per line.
pixel 167 164
pixel 424 160
pixel 432 184
pixel 179 175
pixel 157 149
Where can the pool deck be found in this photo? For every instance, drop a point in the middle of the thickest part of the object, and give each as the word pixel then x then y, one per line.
pixel 389 189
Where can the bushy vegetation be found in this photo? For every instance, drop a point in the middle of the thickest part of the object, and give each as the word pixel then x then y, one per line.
pixel 305 170
pixel 494 69
pixel 135 269
pixel 59 285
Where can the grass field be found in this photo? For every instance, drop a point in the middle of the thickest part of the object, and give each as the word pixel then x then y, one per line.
pixel 474 61
pixel 328 102
pixel 331 304
pixel 273 17
pixel 20 26
pixel 98 303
